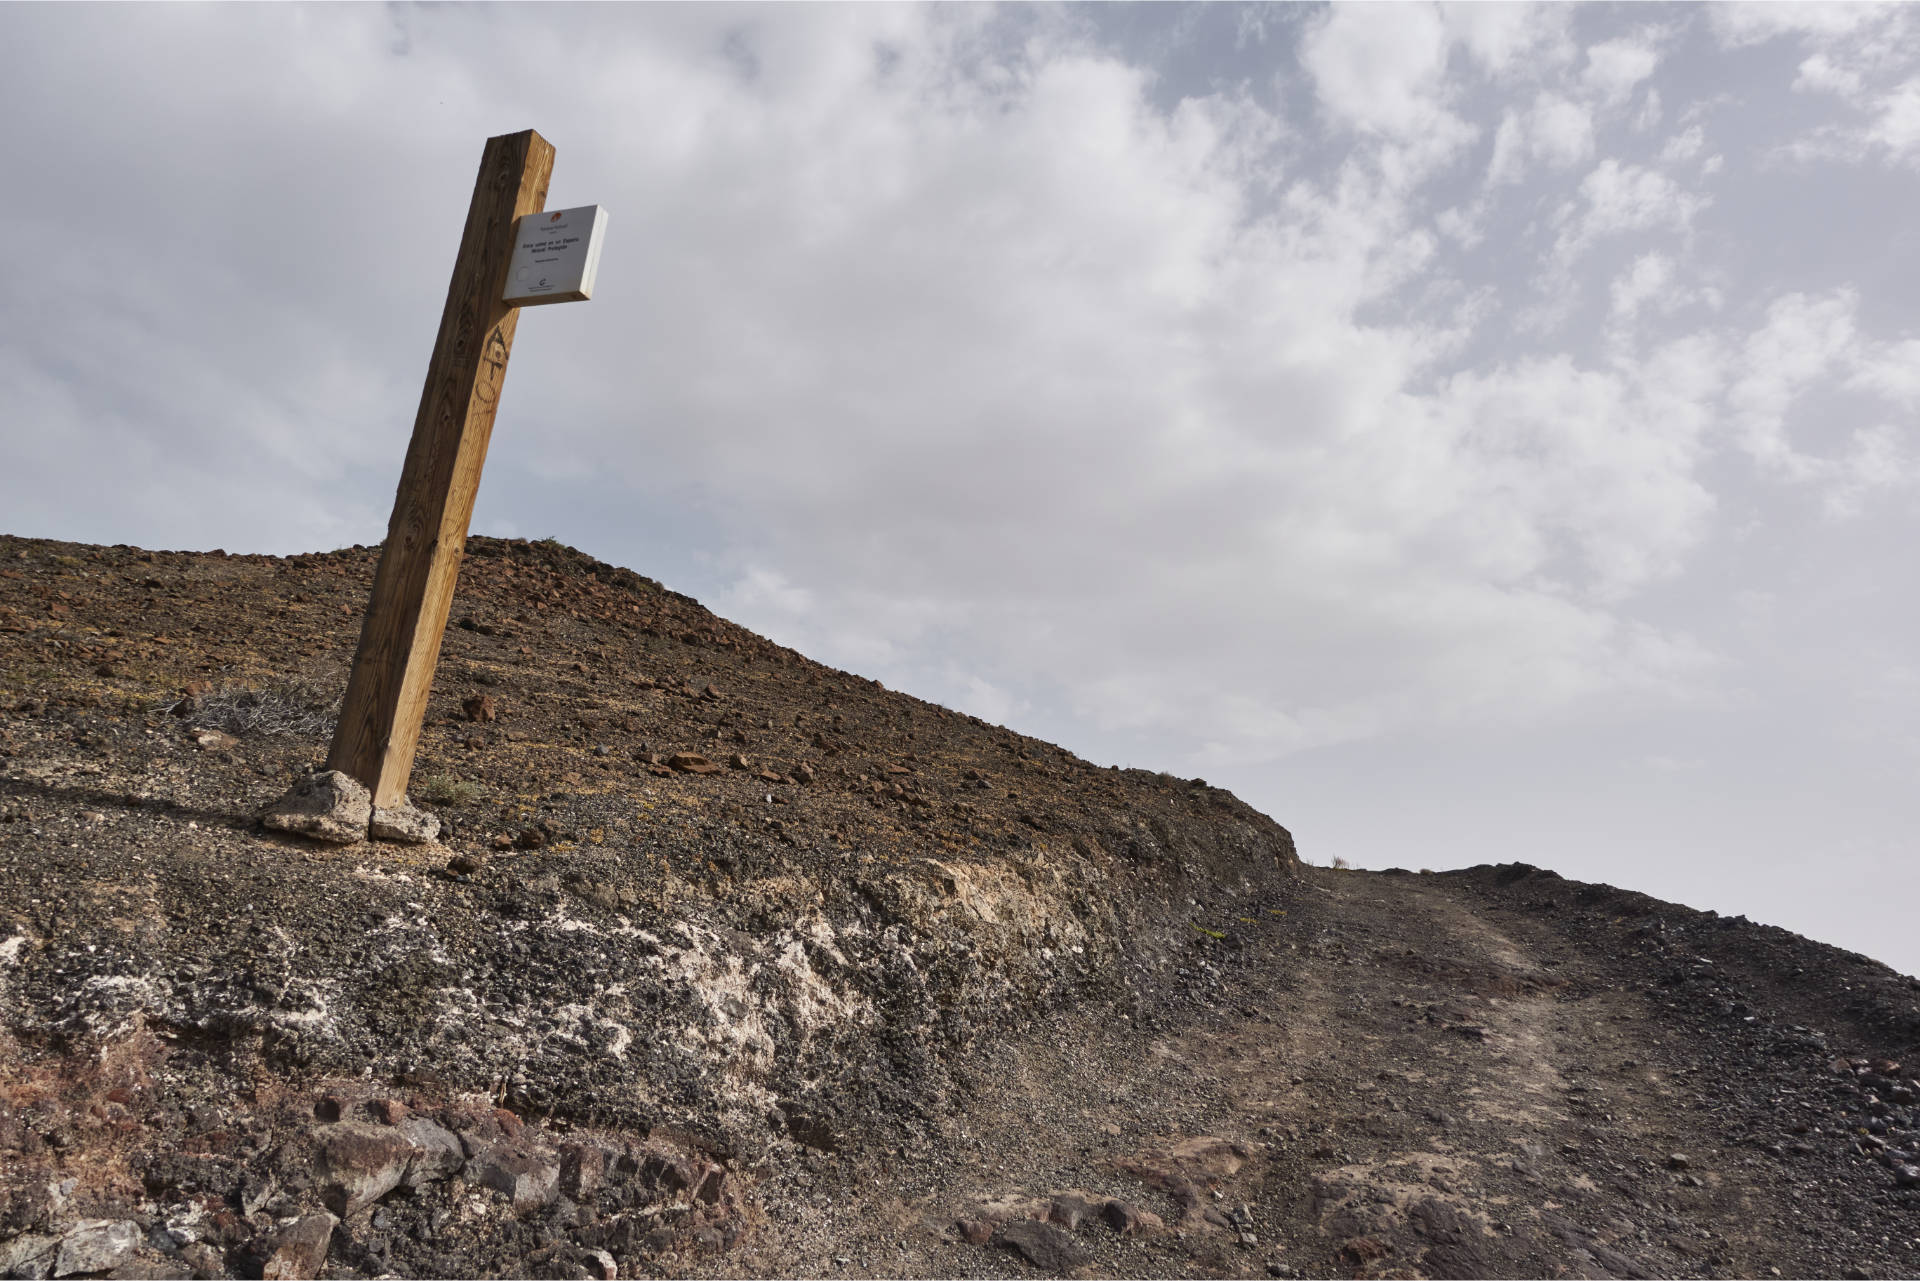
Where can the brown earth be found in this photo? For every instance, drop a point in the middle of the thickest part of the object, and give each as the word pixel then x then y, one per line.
pixel 890 991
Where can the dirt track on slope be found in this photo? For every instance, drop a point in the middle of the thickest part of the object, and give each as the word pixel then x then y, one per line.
pixel 1411 1076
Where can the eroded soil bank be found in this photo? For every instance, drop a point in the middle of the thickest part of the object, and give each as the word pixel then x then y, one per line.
pixel 731 963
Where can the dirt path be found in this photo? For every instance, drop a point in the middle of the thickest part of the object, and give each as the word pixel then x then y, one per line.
pixel 1391 1075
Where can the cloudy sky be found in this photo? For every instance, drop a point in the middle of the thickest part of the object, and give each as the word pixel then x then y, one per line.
pixel 1470 433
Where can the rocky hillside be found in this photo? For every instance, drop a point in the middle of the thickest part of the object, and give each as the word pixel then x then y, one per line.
pixel 728 963
pixel 694 889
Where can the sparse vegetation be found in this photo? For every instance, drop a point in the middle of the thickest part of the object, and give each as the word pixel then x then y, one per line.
pixel 297 707
pixel 445 789
pixel 1341 863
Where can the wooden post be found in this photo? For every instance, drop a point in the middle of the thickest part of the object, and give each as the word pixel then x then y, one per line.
pixel 393 669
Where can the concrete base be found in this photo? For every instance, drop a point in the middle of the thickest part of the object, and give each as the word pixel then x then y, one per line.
pixel 405 824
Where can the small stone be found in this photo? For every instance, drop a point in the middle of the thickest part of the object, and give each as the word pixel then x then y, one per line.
pixel 96 1245
pixel 212 740
pixel 1678 1161
pixel 599 1264
pixel 387 1111
pixel 326 806
pixel 1071 1209
pixel 203 1259
pixel 1043 1245
pixel 1128 1219
pixel 1363 1249
pixel 603 750
pixel 437 1154
pixel 803 773
pixel 301 1249
pixel 480 708
pixel 692 763
pixel 469 862
pixel 529 1177
pixel 975 1231
pixel 581 1168
pixel 1907 1176
pixel 28 1256
pixel 1249 1239
pixel 1324 1152
pixel 739 761
pixel 403 824
pixel 359 1164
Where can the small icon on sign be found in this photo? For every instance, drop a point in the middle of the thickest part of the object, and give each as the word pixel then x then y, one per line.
pixel 557 217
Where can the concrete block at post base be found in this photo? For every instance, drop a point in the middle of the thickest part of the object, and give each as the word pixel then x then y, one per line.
pixel 324 806
pixel 403 823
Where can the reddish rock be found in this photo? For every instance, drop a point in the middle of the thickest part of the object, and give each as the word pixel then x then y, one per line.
pixel 387 1111
pixel 480 708
pixel 975 1231
pixel 359 1164
pixel 692 763
pixel 1363 1250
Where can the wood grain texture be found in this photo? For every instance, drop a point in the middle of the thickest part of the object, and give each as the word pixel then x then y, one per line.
pixel 393 669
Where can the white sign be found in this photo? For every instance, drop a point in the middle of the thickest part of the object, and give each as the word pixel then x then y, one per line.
pixel 555 256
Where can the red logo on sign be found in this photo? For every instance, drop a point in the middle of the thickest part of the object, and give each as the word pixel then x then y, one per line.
pixel 557 217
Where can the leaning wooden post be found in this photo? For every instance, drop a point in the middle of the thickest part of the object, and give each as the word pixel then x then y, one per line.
pixel 386 697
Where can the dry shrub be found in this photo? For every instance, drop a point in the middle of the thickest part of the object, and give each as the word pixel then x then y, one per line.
pixel 297 707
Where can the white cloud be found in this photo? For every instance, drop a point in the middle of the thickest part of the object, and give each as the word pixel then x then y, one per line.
pixel 1819 74
pixel 1615 67
pixel 1651 280
pixel 1890 371
pixel 1382 74
pixel 1554 130
pixel 1617 198
pixel 1804 341
pixel 1561 131
pixel 1508 164
pixel 1648 117
pixel 1683 146
pixel 1896 123
pixel 1757 21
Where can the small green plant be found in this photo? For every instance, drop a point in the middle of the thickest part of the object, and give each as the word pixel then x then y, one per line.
pixel 445 789
pixel 1212 934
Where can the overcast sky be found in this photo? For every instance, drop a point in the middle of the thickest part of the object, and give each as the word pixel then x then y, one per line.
pixel 1469 433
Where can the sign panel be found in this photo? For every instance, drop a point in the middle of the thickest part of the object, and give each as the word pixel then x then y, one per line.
pixel 555 256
